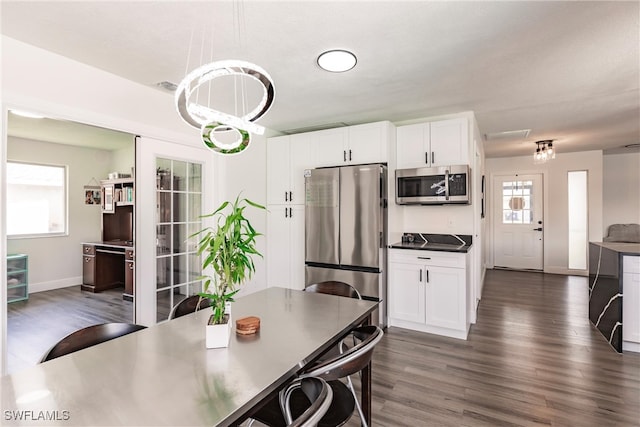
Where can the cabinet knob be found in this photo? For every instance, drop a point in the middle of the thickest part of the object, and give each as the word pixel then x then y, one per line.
pixel 130 266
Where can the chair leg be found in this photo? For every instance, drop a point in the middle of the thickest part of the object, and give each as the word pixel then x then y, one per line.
pixel 355 397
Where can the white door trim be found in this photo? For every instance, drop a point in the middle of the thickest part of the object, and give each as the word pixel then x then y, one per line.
pixel 491 211
pixel 148 150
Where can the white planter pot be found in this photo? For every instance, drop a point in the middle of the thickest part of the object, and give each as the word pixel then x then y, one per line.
pixel 218 335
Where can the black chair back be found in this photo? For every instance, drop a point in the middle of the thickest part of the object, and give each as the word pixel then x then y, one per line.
pixel 188 305
pixel 88 337
pixel 333 287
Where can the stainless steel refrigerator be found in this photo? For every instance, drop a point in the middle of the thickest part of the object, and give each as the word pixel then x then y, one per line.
pixel 346 228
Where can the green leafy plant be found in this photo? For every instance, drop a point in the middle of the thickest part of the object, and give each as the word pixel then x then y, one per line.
pixel 229 248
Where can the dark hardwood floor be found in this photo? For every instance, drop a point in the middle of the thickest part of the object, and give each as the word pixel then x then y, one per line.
pixel 36 324
pixel 532 358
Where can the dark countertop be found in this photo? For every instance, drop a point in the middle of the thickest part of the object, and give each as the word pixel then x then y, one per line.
pixel 112 244
pixel 441 247
pixel 623 248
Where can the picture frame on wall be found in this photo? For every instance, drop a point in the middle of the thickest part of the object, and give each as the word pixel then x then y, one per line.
pixel 92 195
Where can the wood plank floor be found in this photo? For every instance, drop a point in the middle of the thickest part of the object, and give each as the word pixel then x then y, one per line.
pixel 532 359
pixel 36 324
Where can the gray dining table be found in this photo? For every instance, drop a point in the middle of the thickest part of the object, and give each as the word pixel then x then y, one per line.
pixel 164 375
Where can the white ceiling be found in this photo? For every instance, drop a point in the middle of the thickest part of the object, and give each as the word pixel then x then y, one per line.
pixel 569 71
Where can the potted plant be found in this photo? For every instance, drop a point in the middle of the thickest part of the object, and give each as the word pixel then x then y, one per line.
pixel 228 248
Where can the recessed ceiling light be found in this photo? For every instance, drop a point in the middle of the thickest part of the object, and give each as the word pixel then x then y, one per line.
pixel 337 60
pixel 27 114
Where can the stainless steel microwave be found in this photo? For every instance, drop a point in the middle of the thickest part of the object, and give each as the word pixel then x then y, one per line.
pixel 433 186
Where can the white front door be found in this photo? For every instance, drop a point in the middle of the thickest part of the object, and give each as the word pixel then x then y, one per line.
pixel 517 221
pixel 174 186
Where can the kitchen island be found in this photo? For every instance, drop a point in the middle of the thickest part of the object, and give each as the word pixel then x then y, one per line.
pixel 614 293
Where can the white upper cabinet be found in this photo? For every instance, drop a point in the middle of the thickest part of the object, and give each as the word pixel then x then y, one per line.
pixel 351 145
pixel 414 146
pixel 449 142
pixel 327 147
pixel 367 143
pixel 439 143
pixel 287 157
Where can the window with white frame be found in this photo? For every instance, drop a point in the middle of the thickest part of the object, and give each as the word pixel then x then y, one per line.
pixel 36 200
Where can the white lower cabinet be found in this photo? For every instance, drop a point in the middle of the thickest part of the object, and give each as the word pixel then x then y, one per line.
pixel 285 246
pixel 631 303
pixel 427 291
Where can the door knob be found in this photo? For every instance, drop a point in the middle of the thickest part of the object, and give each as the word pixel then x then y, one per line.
pixel 537 229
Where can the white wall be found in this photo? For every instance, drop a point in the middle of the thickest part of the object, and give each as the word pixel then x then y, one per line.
pixel 247 173
pixel 36 80
pixel 57 261
pixel 621 196
pixel 556 231
pixel 123 160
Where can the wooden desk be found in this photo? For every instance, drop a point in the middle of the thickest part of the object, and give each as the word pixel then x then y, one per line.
pixel 164 375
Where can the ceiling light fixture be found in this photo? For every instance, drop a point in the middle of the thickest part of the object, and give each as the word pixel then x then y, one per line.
pixel 337 60
pixel 215 125
pixel 544 151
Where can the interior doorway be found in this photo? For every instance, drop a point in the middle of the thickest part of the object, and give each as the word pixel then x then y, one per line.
pixel 51 262
pixel 518 222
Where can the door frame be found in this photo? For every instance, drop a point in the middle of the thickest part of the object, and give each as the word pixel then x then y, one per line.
pixel 61 112
pixel 491 211
pixel 149 149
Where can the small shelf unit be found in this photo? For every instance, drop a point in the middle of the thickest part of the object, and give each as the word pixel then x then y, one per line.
pixel 17 277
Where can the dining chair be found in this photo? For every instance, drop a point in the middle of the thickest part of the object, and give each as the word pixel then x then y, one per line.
pixel 188 305
pixel 344 400
pixel 333 287
pixel 88 337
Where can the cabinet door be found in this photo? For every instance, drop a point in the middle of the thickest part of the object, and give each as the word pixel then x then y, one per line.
pixel 445 297
pixel 278 245
pixel 450 142
pixel 328 147
pixel 278 170
pixel 88 269
pixel 412 149
pixel 296 247
pixel 630 305
pixel 406 292
pixel 367 143
pixel 299 161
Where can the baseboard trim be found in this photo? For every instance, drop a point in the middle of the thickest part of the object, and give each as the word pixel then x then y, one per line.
pixel 54 284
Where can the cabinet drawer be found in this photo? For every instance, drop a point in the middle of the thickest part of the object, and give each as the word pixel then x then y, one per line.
pixel 88 249
pixel 128 254
pixel 443 259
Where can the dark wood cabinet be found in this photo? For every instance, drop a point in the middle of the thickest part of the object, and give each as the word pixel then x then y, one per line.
pixel 129 275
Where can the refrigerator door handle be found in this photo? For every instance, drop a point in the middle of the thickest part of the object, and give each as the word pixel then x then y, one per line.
pixel 446 184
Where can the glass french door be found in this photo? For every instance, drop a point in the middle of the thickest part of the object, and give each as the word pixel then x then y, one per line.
pixel 173 195
pixel 178 211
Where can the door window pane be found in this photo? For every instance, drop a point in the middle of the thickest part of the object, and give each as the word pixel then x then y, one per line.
pixel 179 200
pixel 517 202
